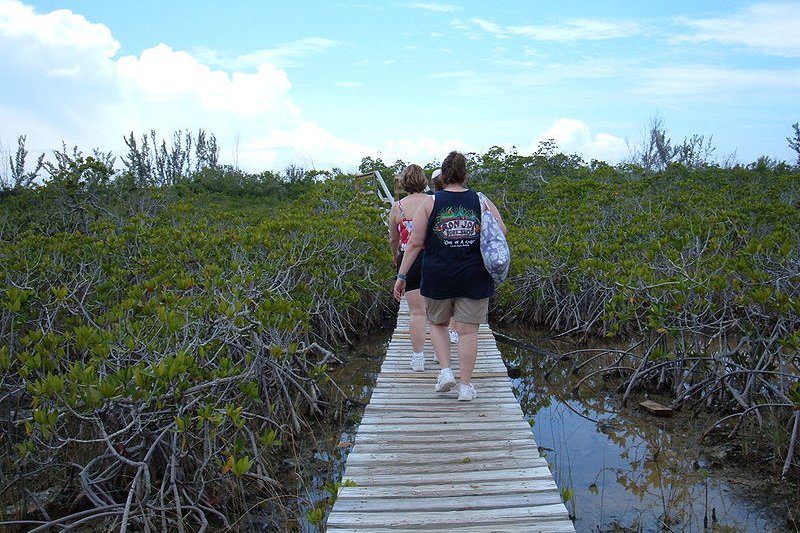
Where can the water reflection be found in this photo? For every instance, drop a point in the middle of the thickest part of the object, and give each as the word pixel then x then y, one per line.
pixel 321 472
pixel 623 469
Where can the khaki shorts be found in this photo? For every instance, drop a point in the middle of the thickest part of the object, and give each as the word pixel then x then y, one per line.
pixel 467 310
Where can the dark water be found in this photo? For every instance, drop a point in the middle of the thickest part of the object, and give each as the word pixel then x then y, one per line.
pixel 620 469
pixel 624 469
pixel 354 381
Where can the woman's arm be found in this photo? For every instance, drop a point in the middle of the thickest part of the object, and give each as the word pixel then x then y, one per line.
pixel 496 213
pixel 394 233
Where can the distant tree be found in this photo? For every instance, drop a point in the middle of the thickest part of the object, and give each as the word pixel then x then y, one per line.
pixel 295 174
pixel 138 163
pixel 173 163
pixel 794 142
pixel 153 162
pixel 72 170
pixel 388 172
pixel 207 150
pixel 694 152
pixel 763 164
pixel 19 177
pixel 657 151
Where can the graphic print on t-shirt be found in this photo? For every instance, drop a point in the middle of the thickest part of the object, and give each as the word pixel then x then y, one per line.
pixel 457 228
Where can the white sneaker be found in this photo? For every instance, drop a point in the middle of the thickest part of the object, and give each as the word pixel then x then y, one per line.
pixel 466 393
pixel 453 337
pixel 445 381
pixel 418 362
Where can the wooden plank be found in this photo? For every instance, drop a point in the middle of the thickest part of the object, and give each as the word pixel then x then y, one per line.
pixel 453 465
pixel 425 391
pixel 524 526
pixel 486 434
pixel 451 518
pixel 445 427
pixel 423 461
pixel 468 502
pixel 656 408
pixel 418 380
pixel 448 446
pixel 467 476
pixel 446 404
pixel 401 418
pixel 516 457
pixel 447 490
pixel 489 411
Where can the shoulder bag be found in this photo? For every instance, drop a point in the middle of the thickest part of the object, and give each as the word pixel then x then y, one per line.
pixel 494 247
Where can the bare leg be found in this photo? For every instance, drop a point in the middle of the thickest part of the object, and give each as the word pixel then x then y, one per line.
pixel 416 326
pixel 441 343
pixel 467 349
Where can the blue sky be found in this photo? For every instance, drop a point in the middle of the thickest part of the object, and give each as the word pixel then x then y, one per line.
pixel 322 84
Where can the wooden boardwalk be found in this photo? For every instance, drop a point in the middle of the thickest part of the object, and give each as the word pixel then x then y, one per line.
pixel 424 461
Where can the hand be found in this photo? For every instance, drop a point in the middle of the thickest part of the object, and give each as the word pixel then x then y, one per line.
pixel 399 289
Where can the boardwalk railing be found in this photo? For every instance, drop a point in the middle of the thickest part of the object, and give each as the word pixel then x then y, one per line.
pixel 424 461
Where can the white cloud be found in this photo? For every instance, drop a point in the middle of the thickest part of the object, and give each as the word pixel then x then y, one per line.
pixel 282 55
pixel 700 81
pixel 164 75
pixel 59 44
pixel 491 27
pixel 70 87
pixel 468 31
pixel 439 8
pixel 574 136
pixel 453 74
pixel 424 149
pixel 305 144
pixel 459 24
pixel 55 29
pixel 771 28
pixel 570 30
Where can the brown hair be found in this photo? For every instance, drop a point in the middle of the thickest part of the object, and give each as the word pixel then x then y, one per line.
pixel 413 179
pixel 454 168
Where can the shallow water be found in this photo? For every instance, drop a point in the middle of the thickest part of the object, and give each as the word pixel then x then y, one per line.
pixel 624 469
pixel 355 379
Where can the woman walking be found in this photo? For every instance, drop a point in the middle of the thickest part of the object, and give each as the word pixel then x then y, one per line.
pixel 455 283
pixel 436 183
pixel 401 227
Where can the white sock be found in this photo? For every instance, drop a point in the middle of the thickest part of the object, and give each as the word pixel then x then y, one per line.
pixel 419 354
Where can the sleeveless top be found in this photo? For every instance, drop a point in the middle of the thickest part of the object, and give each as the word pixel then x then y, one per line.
pixel 452 265
pixel 404 228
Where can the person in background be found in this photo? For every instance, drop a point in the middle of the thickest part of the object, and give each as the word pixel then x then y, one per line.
pixel 436 180
pixel 455 283
pixel 401 227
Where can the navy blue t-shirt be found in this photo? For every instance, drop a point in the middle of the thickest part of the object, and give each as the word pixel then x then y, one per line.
pixel 452 265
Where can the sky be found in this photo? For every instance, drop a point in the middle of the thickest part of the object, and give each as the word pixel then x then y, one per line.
pixel 324 84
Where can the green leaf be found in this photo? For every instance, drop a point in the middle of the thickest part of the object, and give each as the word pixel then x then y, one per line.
pixel 241 466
